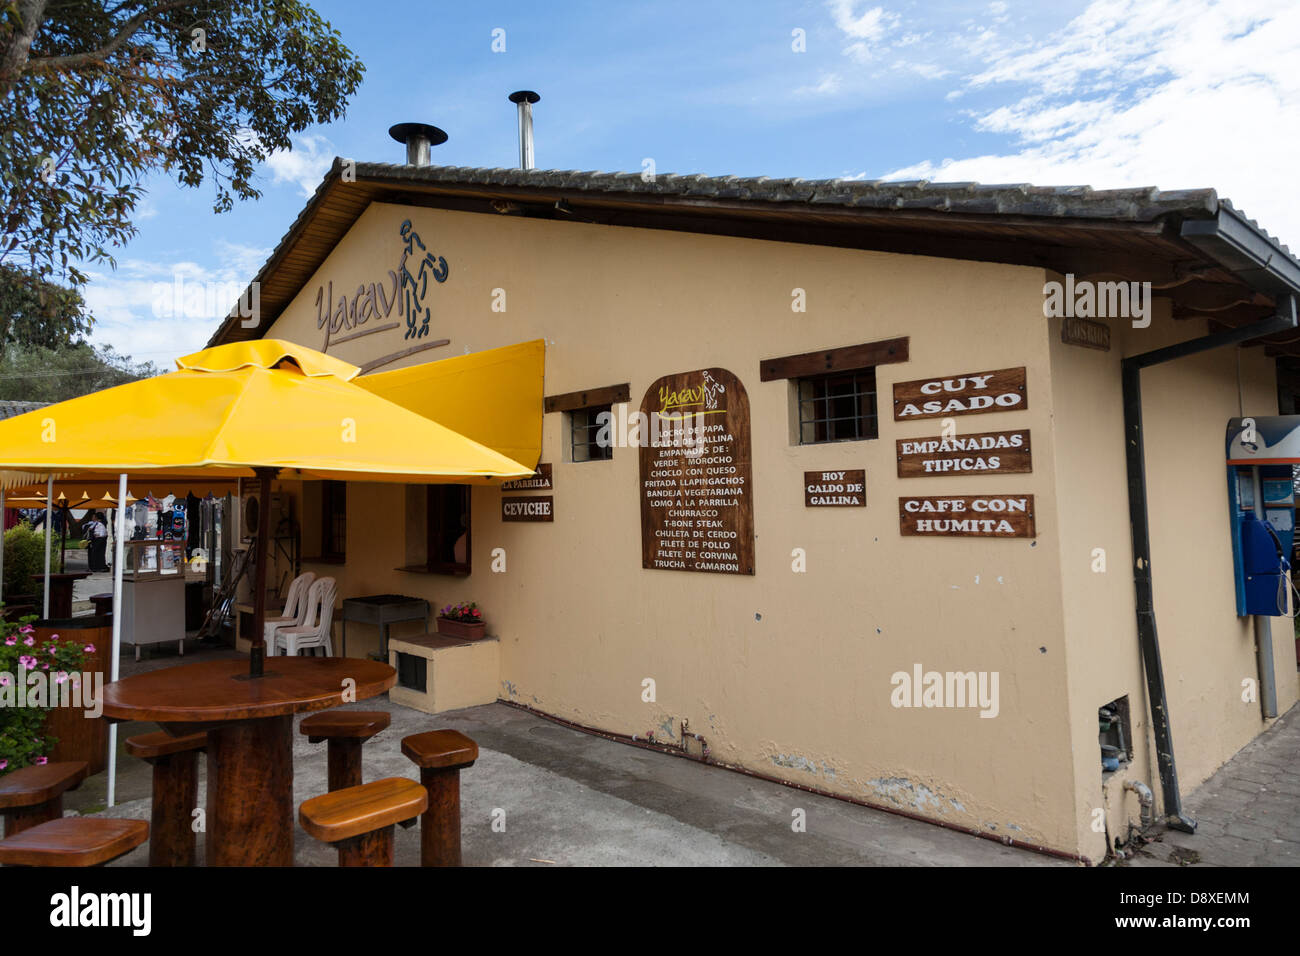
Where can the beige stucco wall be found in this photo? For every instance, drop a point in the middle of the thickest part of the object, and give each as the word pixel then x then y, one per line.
pixel 1206 649
pixel 787 673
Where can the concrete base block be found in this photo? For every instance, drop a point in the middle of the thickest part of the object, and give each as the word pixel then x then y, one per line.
pixel 457 673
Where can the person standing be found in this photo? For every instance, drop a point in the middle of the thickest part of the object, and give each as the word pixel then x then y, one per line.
pixel 97 531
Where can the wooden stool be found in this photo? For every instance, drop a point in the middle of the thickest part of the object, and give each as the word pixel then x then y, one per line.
pixel 346 731
pixel 175 793
pixel 360 819
pixel 34 795
pixel 103 603
pixel 73 841
pixel 441 755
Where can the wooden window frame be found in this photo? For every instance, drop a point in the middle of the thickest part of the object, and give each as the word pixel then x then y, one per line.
pixel 850 358
pixel 433 529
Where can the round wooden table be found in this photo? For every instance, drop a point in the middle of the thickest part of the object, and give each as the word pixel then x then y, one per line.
pixel 250 737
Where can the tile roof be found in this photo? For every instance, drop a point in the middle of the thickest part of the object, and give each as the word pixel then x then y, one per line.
pixel 10 409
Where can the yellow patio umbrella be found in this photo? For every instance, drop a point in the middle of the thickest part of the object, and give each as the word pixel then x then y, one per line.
pixel 246 409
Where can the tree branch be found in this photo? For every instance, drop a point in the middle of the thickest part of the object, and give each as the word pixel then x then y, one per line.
pixel 74 61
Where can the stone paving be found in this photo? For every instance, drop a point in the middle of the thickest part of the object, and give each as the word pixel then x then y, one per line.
pixel 1247 814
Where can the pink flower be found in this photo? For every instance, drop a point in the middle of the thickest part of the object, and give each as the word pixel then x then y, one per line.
pixel 26 629
pixel 10 641
pixel 3 764
pixel 53 648
pixel 28 662
pixel 89 648
pixel 5 680
pixel 41 761
pixel 61 677
pixel 45 667
pixel 30 641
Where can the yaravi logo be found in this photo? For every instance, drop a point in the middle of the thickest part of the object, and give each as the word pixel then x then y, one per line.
pixel 1083 299
pixel 75 909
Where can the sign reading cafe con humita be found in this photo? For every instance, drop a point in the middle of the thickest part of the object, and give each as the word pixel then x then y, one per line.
pixel 697 505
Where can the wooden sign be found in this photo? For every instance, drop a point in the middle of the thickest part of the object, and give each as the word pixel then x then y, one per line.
pixel 540 480
pixel 968 393
pixel 528 509
pixel 835 489
pixel 1085 332
pixel 988 453
pixel 968 516
pixel 697 496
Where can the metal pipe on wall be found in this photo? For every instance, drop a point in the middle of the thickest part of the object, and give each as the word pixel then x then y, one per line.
pixel 1263 627
pixel 49 521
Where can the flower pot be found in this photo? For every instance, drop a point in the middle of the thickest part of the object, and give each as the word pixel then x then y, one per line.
pixel 461 629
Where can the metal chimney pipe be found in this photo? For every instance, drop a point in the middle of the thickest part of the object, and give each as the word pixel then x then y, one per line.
pixel 419 138
pixel 525 100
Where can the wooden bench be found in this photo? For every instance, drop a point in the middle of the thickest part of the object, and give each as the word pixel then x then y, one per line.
pixel 346 731
pixel 441 755
pixel 34 795
pixel 103 603
pixel 73 841
pixel 359 820
pixel 175 793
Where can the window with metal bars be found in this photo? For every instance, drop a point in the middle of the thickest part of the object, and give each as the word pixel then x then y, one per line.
pixel 840 406
pixel 584 429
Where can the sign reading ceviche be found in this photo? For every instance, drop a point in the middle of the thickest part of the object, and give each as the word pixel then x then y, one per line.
pixel 528 509
pixel 988 453
pixel 697 506
pixel 835 489
pixel 968 393
pixel 968 516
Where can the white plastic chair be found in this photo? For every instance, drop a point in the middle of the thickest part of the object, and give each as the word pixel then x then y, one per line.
pixel 315 629
pixel 295 610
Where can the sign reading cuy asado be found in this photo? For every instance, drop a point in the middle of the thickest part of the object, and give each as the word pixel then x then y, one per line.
pixel 528 509
pixel 988 453
pixel 835 489
pixel 968 393
pixel 968 516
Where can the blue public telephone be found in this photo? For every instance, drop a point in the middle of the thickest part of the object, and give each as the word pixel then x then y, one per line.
pixel 1262 546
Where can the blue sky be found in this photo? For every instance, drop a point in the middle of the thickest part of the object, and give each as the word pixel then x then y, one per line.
pixel 1174 93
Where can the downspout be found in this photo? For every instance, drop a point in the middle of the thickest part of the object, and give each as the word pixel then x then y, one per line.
pixel 1131 370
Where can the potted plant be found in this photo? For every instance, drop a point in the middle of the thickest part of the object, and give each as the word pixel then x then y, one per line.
pixel 463 620
pixel 24 731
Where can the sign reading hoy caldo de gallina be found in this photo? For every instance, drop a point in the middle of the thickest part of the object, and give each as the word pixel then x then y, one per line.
pixel 969 393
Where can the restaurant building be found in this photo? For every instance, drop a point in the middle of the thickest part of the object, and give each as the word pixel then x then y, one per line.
pixel 896 560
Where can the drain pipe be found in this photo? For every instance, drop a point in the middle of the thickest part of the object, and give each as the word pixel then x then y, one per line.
pixel 1145 797
pixel 1131 370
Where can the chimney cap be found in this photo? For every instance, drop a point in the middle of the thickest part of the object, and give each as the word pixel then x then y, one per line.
pixel 524 96
pixel 403 132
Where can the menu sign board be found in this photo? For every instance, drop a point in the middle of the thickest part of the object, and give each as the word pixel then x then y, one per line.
pixel 835 489
pixel 968 516
pixel 697 504
pixel 528 509
pixel 988 453
pixel 540 480
pixel 967 393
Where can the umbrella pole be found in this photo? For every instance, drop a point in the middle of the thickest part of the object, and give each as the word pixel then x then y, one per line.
pixel 257 652
pixel 3 529
pixel 119 520
pixel 49 519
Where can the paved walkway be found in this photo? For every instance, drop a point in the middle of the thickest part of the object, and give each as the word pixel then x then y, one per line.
pixel 1247 814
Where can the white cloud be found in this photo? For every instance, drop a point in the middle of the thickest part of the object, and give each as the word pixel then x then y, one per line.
pixel 305 165
pixel 866 29
pixel 1169 93
pixel 126 303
